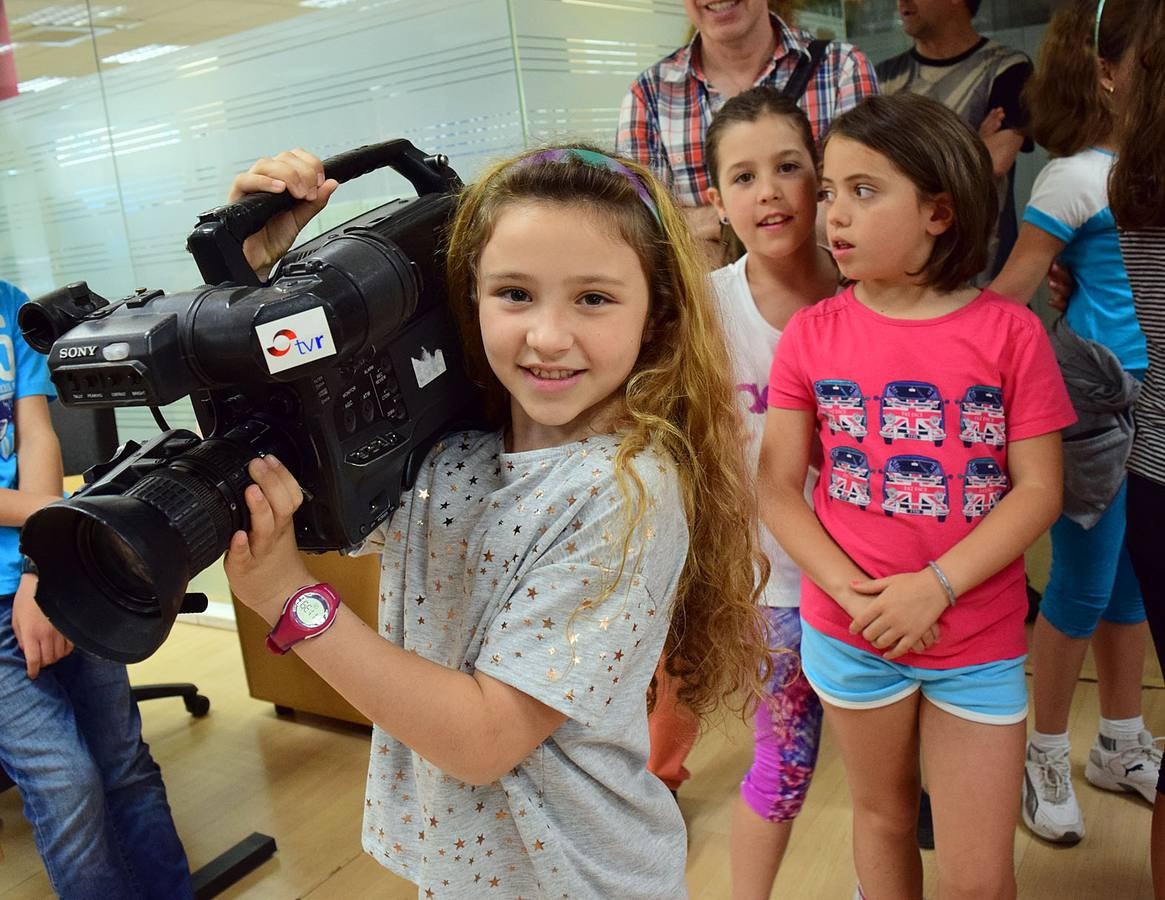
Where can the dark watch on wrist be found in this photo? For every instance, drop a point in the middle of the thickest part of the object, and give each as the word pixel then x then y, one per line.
pixel 27 566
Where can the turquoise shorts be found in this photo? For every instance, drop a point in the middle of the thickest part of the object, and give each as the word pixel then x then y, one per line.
pixel 993 693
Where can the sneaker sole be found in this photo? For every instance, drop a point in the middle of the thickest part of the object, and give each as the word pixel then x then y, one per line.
pixel 1106 781
pixel 1068 837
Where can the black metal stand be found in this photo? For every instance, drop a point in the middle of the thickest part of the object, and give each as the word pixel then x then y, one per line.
pixel 228 868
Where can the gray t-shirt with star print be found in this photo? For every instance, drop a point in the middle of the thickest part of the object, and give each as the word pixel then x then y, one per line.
pixel 510 563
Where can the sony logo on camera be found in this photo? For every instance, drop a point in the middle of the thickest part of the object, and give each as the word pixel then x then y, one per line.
pixel 77 352
pixel 296 340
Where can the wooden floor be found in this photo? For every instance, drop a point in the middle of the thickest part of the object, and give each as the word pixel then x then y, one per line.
pixel 243 769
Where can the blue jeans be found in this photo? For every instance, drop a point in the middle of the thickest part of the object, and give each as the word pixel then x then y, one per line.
pixel 71 740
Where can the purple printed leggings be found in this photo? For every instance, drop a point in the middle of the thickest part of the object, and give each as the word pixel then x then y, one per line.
pixel 786 729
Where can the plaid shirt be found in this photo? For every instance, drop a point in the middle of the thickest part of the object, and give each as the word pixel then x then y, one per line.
pixel 666 113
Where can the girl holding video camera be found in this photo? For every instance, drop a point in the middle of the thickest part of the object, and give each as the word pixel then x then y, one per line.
pixel 534 574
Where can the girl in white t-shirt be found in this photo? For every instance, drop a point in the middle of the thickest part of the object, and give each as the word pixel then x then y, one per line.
pixel 763 164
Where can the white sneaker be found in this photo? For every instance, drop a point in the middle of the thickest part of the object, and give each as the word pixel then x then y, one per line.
pixel 1130 768
pixel 1049 803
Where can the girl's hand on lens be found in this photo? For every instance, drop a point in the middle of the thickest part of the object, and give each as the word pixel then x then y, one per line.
pixel 302 175
pixel 905 610
pixel 263 565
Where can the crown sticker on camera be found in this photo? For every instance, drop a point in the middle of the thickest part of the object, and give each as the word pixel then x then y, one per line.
pixel 428 367
pixel 296 340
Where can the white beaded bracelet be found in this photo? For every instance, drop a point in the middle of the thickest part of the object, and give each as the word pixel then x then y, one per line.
pixel 942 579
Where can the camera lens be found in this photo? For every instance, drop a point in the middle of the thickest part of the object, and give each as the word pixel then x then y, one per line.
pixel 138 550
pixel 111 559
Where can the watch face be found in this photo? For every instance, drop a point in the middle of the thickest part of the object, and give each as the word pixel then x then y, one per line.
pixel 310 610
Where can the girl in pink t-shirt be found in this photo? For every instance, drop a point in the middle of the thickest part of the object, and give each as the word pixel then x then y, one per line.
pixel 938 408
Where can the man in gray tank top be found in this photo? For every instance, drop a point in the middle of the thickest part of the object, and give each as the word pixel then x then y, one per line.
pixel 979 79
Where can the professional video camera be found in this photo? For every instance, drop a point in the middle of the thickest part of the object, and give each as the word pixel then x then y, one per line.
pixel 346 365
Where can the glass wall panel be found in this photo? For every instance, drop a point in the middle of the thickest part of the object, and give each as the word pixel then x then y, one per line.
pixel 132 118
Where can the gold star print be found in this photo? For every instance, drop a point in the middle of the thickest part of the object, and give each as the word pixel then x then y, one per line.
pixel 571 547
pixel 400 775
pixel 531 593
pixel 570 501
pixel 383 749
pixel 488 556
pixel 459 844
pixel 618 655
pixel 368 803
pixel 552 674
pixel 407 819
pixel 420 835
pixel 547 623
pixel 500 814
pixel 423 494
pixel 480 839
pixel 432 822
pixel 398 536
pixel 605 623
pixel 495 881
pixel 429 895
pixel 480 807
pixel 538 845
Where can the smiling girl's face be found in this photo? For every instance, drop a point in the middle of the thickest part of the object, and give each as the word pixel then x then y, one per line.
pixel 768 185
pixel 562 303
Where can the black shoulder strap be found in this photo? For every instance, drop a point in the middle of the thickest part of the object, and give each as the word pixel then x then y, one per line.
pixel 805 70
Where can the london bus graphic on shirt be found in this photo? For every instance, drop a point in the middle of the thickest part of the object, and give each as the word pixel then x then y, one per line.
pixel 984 485
pixel 915 486
pixel 981 417
pixel 843 406
pixel 912 410
pixel 849 476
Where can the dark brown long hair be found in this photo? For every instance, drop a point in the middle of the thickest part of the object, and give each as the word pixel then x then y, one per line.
pixel 751 106
pixel 939 153
pixel 1069 108
pixel 1136 190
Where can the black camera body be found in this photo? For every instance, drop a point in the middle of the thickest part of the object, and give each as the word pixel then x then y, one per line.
pixel 346 365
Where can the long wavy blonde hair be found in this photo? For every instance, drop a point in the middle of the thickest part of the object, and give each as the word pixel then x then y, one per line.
pixel 679 397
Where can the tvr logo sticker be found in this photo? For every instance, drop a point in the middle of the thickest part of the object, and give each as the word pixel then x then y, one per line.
pixel 296 340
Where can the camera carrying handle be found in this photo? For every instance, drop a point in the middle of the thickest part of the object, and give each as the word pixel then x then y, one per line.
pixel 217 241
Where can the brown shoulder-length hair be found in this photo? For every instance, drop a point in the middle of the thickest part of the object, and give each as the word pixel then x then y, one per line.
pixel 1068 107
pixel 940 154
pixel 680 398
pixel 751 106
pixel 1136 190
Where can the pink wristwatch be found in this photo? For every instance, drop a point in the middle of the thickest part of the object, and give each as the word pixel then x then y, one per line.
pixel 308 613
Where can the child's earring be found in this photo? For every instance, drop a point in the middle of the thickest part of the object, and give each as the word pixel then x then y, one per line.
pixel 724 220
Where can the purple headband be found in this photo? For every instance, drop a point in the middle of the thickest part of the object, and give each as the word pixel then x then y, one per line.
pixel 598 161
